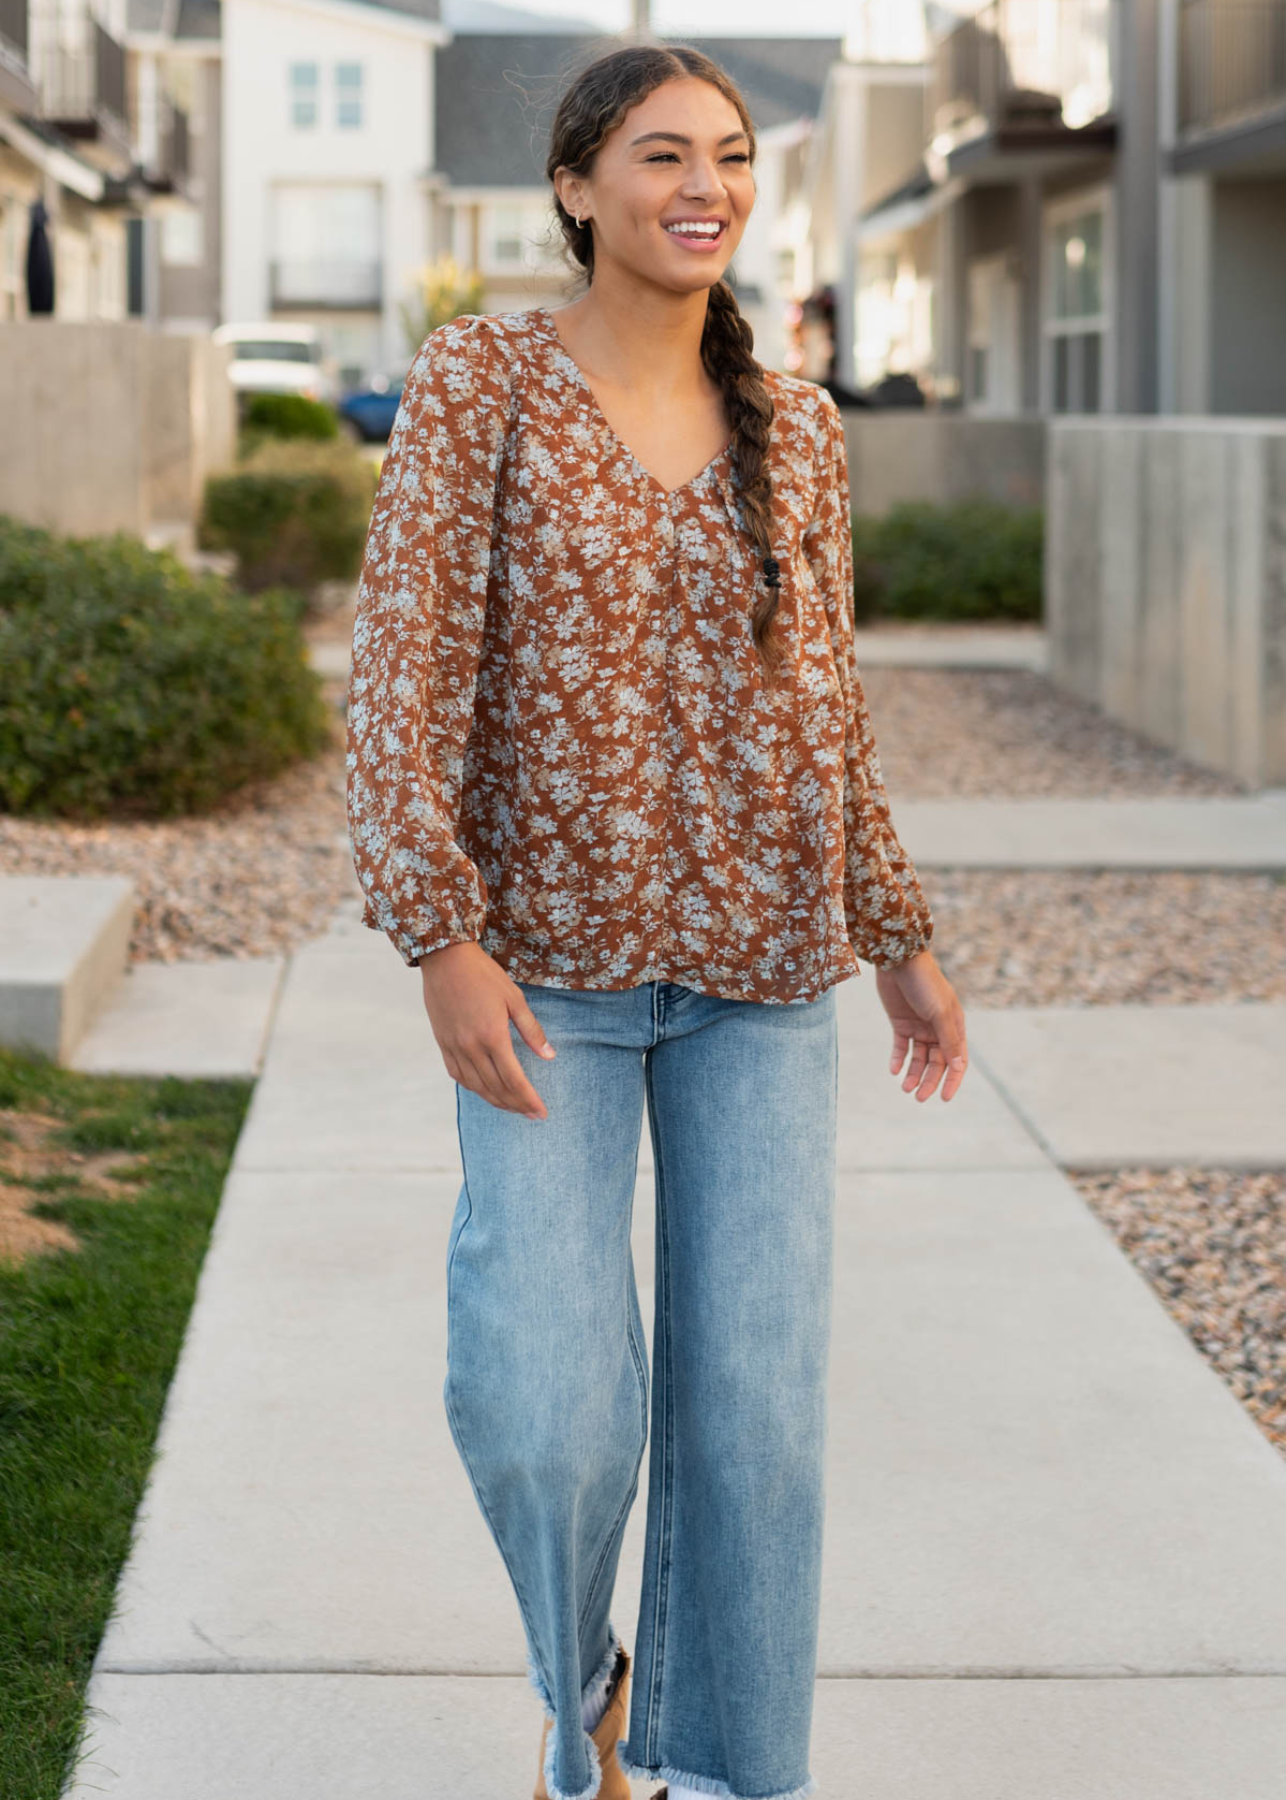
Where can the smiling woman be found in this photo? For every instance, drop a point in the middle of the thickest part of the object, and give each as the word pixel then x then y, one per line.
pixel 612 782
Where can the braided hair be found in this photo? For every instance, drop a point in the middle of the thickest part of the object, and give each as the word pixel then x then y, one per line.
pixel 594 104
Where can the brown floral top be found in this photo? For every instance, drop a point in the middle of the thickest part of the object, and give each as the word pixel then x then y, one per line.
pixel 560 743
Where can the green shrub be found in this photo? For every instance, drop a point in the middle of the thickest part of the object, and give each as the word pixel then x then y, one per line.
pixel 289 416
pixel 133 687
pixel 294 514
pixel 974 559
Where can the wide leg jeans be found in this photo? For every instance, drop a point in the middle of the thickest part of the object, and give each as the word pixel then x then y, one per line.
pixel 548 1383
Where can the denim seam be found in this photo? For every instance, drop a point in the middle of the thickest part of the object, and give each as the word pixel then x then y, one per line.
pixel 618 1524
pixel 528 1610
pixel 666 1446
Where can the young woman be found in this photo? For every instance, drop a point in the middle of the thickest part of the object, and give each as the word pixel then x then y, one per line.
pixel 612 783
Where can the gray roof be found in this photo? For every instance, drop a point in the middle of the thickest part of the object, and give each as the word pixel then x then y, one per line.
pixel 145 15
pixel 487 15
pixel 199 19
pixel 203 19
pixel 497 93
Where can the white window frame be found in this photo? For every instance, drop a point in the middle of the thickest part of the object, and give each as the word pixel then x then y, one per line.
pixel 529 259
pixel 350 94
pixel 304 93
pixel 1097 198
pixel 182 237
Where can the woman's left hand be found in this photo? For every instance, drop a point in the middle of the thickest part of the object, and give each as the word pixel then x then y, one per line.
pixel 928 1019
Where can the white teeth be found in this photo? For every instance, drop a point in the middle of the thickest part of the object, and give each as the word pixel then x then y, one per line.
pixel 694 229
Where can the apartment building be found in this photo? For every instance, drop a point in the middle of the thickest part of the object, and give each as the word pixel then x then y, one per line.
pixel 69 140
pixel 1091 217
pixel 249 160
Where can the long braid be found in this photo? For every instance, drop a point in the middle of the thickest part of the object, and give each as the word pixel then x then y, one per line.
pixel 727 347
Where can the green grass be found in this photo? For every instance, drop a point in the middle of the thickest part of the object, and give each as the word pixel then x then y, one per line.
pixel 88 1343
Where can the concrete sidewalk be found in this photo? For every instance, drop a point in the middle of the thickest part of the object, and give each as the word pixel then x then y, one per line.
pixel 911 646
pixel 1056 1544
pixel 1153 833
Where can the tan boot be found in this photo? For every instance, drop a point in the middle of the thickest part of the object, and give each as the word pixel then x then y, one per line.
pixel 610 1728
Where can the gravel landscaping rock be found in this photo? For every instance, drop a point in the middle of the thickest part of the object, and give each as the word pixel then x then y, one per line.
pixel 1008 734
pixel 1111 937
pixel 1212 1243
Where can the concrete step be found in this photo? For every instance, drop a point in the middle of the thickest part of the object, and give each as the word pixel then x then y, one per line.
pixel 945 647
pixel 64 947
pixel 1162 833
pixel 188 1019
pixel 954 647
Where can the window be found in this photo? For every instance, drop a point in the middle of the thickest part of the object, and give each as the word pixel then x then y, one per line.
pixel 182 240
pixel 303 94
pixel 514 235
pixel 507 234
pixel 1078 266
pixel 348 94
pixel 326 244
pixel 1077 373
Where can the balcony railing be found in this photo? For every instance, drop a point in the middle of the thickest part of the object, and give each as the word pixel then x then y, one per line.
pixel 1048 59
pixel 79 69
pixel 309 281
pixel 1232 60
pixel 13 31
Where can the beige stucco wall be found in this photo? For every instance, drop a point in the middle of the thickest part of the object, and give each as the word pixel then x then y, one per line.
pixel 110 425
pixel 920 454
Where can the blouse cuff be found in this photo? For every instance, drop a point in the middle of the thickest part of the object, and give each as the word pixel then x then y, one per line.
pixel 894 947
pixel 410 945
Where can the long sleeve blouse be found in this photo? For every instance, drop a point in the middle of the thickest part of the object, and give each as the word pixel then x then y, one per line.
pixel 561 744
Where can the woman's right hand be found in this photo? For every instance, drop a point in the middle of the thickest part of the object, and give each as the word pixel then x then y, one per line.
pixel 470 1000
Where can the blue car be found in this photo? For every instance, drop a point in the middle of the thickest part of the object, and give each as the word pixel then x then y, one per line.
pixel 368 412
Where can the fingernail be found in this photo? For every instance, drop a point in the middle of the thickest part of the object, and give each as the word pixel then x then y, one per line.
pixel 546 1050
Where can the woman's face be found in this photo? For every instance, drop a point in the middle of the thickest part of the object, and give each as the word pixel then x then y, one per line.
pixel 679 158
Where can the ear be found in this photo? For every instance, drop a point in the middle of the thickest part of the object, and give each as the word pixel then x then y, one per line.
pixel 569 190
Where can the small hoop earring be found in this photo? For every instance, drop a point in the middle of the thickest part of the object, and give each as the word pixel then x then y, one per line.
pixel 578 221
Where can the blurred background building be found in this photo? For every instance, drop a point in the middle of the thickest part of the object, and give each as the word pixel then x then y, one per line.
pixel 1019 206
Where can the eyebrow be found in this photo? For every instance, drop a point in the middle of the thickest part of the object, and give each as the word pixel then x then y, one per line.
pixel 677 137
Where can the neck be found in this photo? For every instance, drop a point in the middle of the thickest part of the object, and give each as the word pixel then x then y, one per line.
pixel 642 338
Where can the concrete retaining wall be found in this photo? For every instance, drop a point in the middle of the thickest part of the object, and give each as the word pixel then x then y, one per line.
pixel 907 454
pixel 1165 581
pixel 110 425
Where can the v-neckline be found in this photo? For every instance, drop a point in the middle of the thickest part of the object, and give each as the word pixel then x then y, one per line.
pixel 581 380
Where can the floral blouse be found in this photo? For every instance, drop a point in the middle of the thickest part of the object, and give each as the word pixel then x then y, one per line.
pixel 560 741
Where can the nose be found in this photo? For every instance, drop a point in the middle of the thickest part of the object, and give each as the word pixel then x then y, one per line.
pixel 703 181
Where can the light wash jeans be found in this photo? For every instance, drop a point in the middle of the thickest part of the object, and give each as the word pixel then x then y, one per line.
pixel 547 1386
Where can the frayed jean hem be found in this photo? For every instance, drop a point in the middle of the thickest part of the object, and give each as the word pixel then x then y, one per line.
pixel 702 1784
pixel 590 1790
pixel 596 1686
